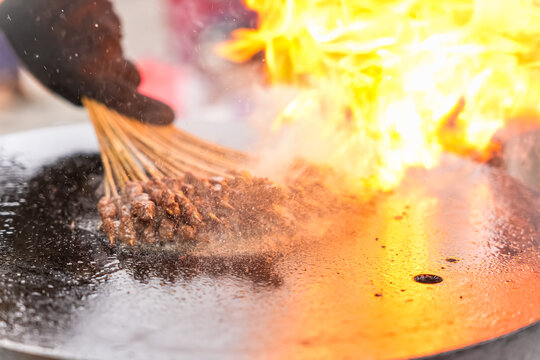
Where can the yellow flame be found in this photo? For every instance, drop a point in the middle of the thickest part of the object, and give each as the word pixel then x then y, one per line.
pixel 393 83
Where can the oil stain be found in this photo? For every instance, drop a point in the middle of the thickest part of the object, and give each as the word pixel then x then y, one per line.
pixel 428 279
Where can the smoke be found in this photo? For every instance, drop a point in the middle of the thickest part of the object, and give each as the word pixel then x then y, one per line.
pixel 312 139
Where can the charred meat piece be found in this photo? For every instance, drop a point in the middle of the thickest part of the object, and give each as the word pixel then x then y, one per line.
pixel 169 204
pixel 107 208
pixel 166 230
pixel 143 208
pixel 126 229
pixel 109 228
pixel 188 210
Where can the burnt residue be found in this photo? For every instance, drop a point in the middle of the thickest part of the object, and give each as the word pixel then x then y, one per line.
pixel 428 279
pixel 47 265
pixel 55 200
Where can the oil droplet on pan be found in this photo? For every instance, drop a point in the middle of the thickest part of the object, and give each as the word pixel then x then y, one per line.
pixel 428 279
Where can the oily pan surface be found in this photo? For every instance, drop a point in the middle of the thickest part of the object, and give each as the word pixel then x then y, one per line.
pixel 345 288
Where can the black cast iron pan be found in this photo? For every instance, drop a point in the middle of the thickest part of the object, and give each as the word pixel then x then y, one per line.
pixel 347 293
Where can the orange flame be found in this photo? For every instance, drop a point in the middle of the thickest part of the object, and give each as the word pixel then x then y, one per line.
pixel 391 84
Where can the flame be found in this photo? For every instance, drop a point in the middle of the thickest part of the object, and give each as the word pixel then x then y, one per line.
pixel 392 84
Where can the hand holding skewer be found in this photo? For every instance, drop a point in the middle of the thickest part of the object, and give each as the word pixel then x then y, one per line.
pixel 73 48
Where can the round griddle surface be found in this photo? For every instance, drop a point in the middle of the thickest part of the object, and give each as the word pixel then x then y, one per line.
pixel 346 292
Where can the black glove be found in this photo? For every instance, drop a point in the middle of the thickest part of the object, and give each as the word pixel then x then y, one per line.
pixel 73 47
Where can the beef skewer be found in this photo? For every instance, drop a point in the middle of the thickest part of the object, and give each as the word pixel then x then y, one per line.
pixel 171 186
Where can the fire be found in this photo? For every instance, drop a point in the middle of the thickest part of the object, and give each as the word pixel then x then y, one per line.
pixel 393 84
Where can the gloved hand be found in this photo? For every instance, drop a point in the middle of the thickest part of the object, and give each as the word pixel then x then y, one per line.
pixel 73 47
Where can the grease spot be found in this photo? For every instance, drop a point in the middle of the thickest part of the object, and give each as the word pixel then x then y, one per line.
pixel 428 279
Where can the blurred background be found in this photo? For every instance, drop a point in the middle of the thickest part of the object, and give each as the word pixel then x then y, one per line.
pixel 172 42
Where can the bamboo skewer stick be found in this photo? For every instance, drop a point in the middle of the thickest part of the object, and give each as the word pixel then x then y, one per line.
pixel 110 187
pixel 167 136
pixel 133 151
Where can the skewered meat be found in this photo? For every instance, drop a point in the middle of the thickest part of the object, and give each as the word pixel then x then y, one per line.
pixel 179 210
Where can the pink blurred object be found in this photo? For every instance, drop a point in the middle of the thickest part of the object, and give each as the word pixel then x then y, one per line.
pixel 163 82
pixel 196 22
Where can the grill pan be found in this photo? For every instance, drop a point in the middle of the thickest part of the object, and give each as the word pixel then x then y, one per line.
pixel 348 292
